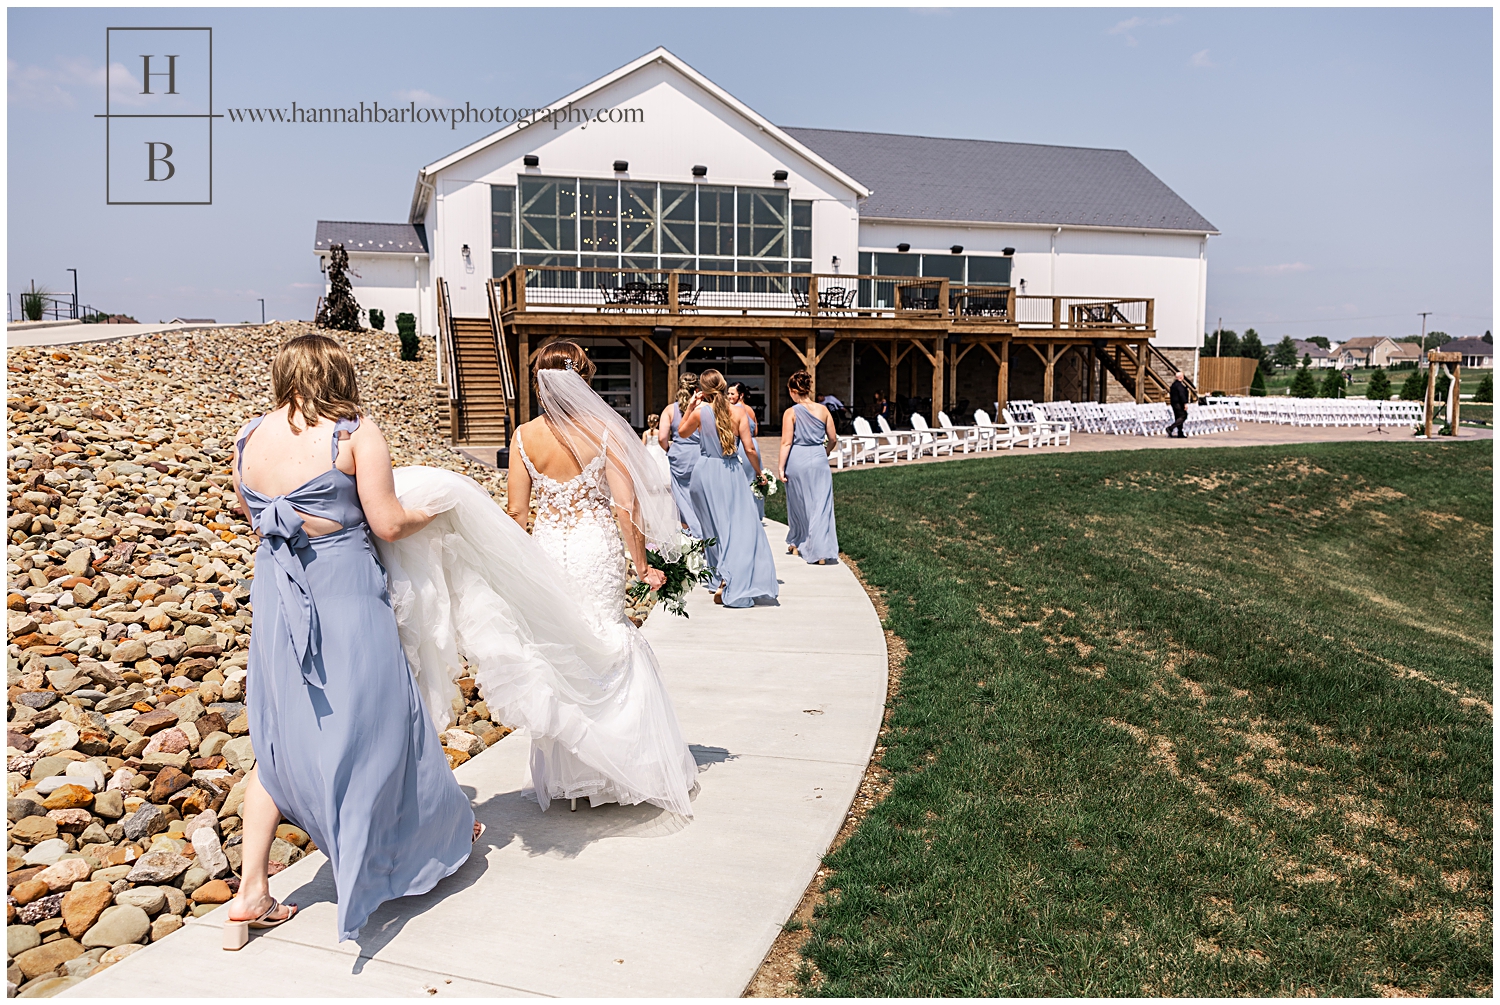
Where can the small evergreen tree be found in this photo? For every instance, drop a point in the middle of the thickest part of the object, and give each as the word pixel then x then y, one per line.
pixel 1251 347
pixel 1286 353
pixel 1258 385
pixel 1333 385
pixel 1486 389
pixel 1379 388
pixel 377 319
pixel 340 311
pixel 406 327
pixel 1303 385
pixel 1414 388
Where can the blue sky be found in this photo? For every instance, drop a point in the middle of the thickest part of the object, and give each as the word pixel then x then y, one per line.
pixel 1344 154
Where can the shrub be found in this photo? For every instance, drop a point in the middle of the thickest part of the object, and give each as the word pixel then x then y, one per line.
pixel 1303 385
pixel 1333 385
pixel 1258 385
pixel 1414 387
pixel 1485 391
pixel 406 327
pixel 1379 388
pixel 377 319
pixel 340 311
pixel 34 303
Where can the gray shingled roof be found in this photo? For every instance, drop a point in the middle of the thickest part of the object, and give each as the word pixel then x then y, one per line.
pixel 1469 346
pixel 984 181
pixel 396 238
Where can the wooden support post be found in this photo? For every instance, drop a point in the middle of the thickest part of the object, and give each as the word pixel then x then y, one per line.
pixel 1453 400
pixel 773 386
pixel 523 379
pixel 939 357
pixel 811 362
pixel 1140 372
pixel 1049 361
pixel 672 301
pixel 648 386
pixel 672 365
pixel 1431 393
pixel 1056 312
pixel 892 360
pixel 1088 374
pixel 1004 379
pixel 812 296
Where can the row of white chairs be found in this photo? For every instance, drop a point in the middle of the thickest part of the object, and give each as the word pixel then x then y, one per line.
pixel 1323 411
pixel 869 446
pixel 1126 418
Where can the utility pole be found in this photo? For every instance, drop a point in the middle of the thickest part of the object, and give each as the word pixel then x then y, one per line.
pixel 1219 339
pixel 1422 345
pixel 262 309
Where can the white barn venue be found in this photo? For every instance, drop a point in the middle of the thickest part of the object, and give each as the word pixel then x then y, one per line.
pixel 666 225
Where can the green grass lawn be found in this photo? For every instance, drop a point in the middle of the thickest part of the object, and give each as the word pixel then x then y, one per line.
pixel 1199 722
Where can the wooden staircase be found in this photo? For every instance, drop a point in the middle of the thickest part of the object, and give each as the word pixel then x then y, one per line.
pixel 1122 363
pixel 481 417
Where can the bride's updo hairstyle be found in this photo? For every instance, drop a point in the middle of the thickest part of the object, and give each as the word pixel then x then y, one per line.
pixel 800 383
pixel 686 385
pixel 563 356
pixel 711 384
pixel 314 375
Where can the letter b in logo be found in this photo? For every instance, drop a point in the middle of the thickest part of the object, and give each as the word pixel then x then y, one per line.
pixel 160 153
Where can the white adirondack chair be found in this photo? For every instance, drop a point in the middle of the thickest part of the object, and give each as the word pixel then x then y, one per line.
pixel 968 436
pixel 877 445
pixel 932 439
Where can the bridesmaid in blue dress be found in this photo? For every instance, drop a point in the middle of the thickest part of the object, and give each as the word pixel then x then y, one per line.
pixel 343 745
pixel 741 555
pixel 808 436
pixel 739 400
pixel 682 452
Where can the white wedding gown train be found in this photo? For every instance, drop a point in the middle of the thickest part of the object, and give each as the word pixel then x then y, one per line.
pixel 537 634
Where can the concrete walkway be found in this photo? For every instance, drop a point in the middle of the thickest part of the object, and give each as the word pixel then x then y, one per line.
pixel 75 332
pixel 781 704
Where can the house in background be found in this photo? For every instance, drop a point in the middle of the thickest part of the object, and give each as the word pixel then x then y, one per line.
pixel 1321 359
pixel 1476 352
pixel 1375 350
pixel 1405 352
pixel 684 176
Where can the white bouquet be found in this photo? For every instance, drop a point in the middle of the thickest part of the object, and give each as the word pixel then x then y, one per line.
pixel 765 485
pixel 686 572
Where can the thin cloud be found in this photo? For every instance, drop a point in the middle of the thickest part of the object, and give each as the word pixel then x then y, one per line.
pixel 1128 26
pixel 1274 270
pixel 1200 59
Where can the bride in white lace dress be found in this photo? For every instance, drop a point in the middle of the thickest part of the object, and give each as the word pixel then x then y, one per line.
pixel 540 619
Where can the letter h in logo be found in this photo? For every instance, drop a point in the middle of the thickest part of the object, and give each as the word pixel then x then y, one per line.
pixel 158 116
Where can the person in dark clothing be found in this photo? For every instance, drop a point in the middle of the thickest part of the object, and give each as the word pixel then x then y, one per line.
pixel 1179 395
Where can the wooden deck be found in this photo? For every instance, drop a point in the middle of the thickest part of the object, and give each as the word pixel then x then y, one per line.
pixel 661 317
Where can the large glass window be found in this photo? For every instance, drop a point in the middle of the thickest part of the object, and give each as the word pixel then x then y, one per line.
pixel 679 219
pixel 763 224
pixel 502 216
pixel 715 222
pixel 801 229
pixel 948 266
pixel 989 270
pixel 599 217
pixel 638 218
pixel 549 214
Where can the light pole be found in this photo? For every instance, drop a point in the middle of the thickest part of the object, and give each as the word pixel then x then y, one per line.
pixel 262 309
pixel 75 293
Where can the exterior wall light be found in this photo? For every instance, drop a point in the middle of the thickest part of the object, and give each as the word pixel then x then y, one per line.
pixel 1007 252
pixel 779 174
pixel 700 171
pixel 531 160
pixel 622 165
pixel 903 247
pixel 957 249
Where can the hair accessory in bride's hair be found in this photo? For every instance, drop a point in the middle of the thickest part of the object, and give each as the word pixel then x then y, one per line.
pixel 569 365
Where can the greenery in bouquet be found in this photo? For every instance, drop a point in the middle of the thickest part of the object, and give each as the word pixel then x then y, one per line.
pixel 765 485
pixel 688 570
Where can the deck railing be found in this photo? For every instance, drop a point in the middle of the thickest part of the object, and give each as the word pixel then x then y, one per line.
pixel 682 291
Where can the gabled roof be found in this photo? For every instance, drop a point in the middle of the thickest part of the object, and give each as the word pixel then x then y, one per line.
pixel 659 54
pixel 985 181
pixel 1311 349
pixel 1469 347
pixel 1364 343
pixel 391 238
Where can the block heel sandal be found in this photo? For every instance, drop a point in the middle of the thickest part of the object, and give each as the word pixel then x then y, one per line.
pixel 237 933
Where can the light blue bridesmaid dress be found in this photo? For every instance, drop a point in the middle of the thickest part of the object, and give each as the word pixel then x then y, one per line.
pixel 726 510
pixel 809 491
pixel 750 472
pixel 342 742
pixel 683 456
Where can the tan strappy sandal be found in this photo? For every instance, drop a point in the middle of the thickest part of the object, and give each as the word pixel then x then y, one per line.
pixel 237 933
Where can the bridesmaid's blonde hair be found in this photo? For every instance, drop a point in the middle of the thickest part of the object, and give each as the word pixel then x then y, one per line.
pixel 314 375
pixel 711 383
pixel 686 385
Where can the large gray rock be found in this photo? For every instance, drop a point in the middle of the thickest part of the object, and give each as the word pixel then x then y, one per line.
pixel 19 809
pixel 150 899
pixel 158 867
pixel 188 707
pixel 19 938
pixel 209 853
pixel 118 926
pixel 193 878
pixel 144 822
